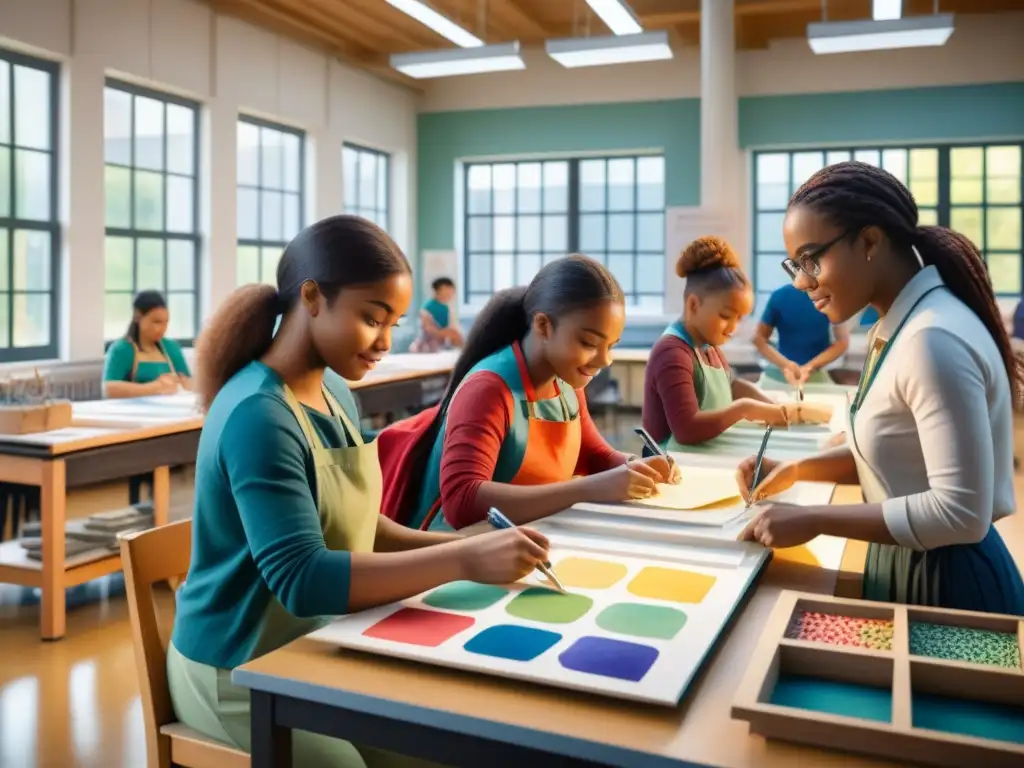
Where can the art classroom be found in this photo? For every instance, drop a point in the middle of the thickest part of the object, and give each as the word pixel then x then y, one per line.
pixel 470 382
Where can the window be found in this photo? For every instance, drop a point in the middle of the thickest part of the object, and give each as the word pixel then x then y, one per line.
pixel 366 183
pixel 270 196
pixel 29 229
pixel 976 190
pixel 521 215
pixel 151 150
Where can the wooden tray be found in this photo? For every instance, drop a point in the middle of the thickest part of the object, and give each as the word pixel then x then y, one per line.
pixel 905 703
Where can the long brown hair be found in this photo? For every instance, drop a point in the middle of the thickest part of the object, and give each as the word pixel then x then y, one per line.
pixel 336 252
pixel 855 195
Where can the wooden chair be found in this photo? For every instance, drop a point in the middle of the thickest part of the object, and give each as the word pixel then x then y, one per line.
pixel 151 557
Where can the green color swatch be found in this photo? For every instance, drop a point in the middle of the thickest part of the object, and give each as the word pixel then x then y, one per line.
pixel 549 607
pixel 977 646
pixel 465 596
pixel 642 620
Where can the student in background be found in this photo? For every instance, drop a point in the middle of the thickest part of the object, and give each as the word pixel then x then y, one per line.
pixel 931 436
pixel 690 393
pixel 144 361
pixel 287 530
pixel 513 428
pixel 807 340
pixel 436 328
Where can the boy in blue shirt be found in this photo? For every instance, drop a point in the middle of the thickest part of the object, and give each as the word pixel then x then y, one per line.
pixel 807 340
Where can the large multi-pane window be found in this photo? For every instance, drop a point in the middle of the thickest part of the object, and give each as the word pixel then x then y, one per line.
pixel 366 183
pixel 976 190
pixel 521 215
pixel 151 150
pixel 270 196
pixel 29 230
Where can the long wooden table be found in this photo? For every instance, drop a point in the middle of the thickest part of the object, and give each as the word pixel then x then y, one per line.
pixel 115 439
pixel 462 719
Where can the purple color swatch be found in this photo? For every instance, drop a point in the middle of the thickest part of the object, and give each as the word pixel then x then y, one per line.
pixel 609 658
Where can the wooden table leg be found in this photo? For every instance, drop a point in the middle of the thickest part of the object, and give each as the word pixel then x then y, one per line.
pixel 271 745
pixel 53 498
pixel 161 495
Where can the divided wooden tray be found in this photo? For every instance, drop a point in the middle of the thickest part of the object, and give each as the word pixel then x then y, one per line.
pixel 948 691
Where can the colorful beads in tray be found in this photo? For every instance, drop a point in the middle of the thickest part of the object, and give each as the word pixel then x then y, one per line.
pixel 977 646
pixel 834 629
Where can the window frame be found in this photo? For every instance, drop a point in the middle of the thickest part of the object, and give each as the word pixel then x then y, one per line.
pixel 944 179
pixel 380 154
pixel 50 350
pixel 572 214
pixel 258 242
pixel 164 235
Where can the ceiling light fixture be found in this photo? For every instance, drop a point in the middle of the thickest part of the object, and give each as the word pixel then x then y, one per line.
pixel 618 49
pixel 617 16
pixel 852 36
pixel 459 61
pixel 886 10
pixel 444 26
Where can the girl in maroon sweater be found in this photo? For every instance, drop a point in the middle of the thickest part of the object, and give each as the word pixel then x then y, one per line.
pixel 690 393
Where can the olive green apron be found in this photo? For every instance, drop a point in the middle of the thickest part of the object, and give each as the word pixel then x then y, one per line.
pixel 773 378
pixel 348 496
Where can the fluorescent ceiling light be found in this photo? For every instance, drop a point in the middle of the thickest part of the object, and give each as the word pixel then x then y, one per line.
pixel 459 61
pixel 617 16
pixel 445 27
pixel 619 49
pixel 850 36
pixel 886 10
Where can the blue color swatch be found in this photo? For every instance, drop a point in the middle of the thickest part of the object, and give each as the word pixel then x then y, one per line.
pixel 833 697
pixel 969 718
pixel 609 658
pixel 507 641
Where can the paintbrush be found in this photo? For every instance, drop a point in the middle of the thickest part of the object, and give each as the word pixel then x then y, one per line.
pixel 498 520
pixel 757 466
pixel 653 447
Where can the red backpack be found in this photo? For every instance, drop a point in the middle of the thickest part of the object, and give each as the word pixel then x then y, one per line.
pixel 396 444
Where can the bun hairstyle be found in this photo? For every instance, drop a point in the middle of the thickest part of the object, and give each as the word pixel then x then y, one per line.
pixel 710 265
pixel 337 252
pixel 854 195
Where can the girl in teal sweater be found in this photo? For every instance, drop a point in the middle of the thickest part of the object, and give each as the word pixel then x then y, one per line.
pixel 286 530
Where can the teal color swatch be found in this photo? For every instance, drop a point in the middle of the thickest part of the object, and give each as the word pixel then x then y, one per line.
pixel 833 697
pixel 465 596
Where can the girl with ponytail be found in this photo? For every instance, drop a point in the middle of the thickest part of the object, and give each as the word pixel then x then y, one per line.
pixel 931 437
pixel 287 530
pixel 513 428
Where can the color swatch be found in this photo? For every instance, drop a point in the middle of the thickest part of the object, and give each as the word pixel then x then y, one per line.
pixel 671 585
pixel 508 641
pixel 834 629
pixel 642 620
pixel 587 573
pixel 415 626
pixel 833 697
pixel 548 607
pixel 977 646
pixel 970 718
pixel 465 596
pixel 609 658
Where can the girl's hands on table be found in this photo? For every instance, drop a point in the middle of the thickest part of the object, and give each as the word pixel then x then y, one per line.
pixel 776 477
pixel 502 557
pixel 781 525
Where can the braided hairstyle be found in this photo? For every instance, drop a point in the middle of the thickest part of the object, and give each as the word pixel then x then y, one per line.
pixel 854 195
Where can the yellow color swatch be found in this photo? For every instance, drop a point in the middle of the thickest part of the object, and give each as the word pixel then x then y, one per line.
pixel 670 584
pixel 585 573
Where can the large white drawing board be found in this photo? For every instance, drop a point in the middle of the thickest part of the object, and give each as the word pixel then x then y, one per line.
pixel 652 610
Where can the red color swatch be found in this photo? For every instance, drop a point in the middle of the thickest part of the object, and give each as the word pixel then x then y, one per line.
pixel 416 626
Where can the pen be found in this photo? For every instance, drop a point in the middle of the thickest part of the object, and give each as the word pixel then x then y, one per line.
pixel 757 466
pixel 498 520
pixel 652 446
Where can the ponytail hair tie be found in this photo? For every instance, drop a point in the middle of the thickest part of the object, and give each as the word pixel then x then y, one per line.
pixel 917 255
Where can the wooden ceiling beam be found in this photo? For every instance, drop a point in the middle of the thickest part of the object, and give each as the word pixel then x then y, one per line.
pixel 379 18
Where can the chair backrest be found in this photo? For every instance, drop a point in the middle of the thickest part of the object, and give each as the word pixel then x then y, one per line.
pixel 152 557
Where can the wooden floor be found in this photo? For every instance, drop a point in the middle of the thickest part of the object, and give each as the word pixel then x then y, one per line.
pixel 76 702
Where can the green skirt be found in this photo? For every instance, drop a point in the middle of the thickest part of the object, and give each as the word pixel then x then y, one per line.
pixel 206 700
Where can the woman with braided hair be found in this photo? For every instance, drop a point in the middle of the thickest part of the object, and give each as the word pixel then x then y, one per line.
pixel 931 439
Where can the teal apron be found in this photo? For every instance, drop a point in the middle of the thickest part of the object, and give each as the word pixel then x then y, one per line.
pixel 145 371
pixel 348 493
pixel 973 577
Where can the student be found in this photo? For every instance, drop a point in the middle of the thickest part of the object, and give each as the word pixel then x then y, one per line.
pixel 690 393
pixel 931 440
pixel 436 329
pixel 807 340
pixel 286 529
pixel 144 361
pixel 513 428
